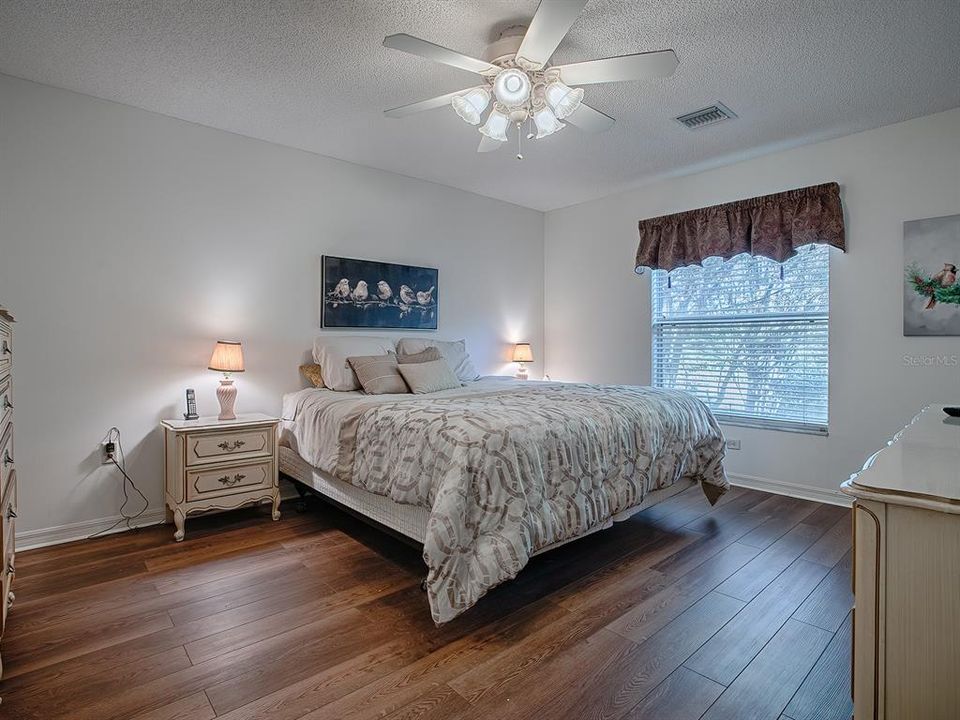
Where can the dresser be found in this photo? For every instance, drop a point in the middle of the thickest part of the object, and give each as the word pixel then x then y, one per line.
pixel 212 464
pixel 8 471
pixel 906 574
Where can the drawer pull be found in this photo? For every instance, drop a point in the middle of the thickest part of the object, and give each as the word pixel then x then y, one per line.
pixel 237 444
pixel 11 513
pixel 231 481
pixel 10 598
pixel 7 458
pixel 7 405
pixel 11 570
pixel 6 348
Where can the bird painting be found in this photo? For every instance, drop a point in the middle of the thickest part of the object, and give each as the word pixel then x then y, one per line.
pixel 360 292
pixel 425 298
pixel 371 294
pixel 406 295
pixel 945 278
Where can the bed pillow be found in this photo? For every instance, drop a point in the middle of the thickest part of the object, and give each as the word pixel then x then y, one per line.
pixel 312 373
pixel 427 355
pixel 378 374
pixel 455 353
pixel 330 352
pixel 429 377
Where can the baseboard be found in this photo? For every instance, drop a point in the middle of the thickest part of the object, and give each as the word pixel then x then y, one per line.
pixel 779 487
pixel 58 534
pixel 30 539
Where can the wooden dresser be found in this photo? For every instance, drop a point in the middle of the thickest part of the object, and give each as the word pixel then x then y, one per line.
pixel 906 574
pixel 8 471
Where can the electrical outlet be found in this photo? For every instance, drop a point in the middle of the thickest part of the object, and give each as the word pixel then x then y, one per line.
pixel 107 452
pixel 733 444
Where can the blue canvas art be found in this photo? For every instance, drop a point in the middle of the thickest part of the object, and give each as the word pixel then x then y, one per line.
pixel 369 294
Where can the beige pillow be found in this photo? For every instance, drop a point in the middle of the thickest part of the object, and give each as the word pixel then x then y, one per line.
pixel 378 374
pixel 428 377
pixel 427 355
pixel 312 373
pixel 455 353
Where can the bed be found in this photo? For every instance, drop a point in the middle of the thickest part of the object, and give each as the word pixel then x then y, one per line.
pixel 488 475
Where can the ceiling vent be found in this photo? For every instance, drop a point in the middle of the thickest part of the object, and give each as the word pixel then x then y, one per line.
pixel 706 116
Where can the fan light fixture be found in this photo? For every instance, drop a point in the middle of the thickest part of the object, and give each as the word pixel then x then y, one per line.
pixel 496 125
pixel 546 122
pixel 471 104
pixel 562 99
pixel 528 90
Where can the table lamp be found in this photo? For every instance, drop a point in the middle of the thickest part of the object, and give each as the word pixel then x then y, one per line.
pixel 522 354
pixel 227 358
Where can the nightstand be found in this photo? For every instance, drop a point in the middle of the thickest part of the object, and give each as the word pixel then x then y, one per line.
pixel 212 464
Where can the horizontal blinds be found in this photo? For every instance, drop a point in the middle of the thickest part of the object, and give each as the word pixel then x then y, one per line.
pixel 751 345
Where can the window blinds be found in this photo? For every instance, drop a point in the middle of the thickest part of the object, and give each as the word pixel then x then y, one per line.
pixel 748 336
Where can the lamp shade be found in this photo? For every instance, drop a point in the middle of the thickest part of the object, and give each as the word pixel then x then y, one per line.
pixel 471 104
pixel 522 353
pixel 227 357
pixel 546 122
pixel 496 126
pixel 562 99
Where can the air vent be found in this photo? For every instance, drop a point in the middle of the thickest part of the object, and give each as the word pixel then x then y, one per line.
pixel 706 116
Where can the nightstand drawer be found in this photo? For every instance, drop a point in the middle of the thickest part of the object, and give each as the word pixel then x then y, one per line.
pixel 210 447
pixel 230 479
pixel 6 403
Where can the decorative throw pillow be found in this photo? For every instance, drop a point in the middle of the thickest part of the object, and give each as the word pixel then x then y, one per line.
pixel 455 353
pixel 428 377
pixel 312 373
pixel 427 355
pixel 330 352
pixel 378 374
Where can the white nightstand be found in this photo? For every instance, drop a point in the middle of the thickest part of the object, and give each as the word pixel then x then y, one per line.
pixel 212 464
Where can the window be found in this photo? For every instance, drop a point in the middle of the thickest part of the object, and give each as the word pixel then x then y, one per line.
pixel 748 336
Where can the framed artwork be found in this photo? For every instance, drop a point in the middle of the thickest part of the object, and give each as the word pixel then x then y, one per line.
pixel 370 294
pixel 931 293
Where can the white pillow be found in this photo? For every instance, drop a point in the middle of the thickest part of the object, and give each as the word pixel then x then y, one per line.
pixel 330 352
pixel 455 353
pixel 429 377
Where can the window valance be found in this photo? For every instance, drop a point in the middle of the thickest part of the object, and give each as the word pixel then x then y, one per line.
pixel 773 226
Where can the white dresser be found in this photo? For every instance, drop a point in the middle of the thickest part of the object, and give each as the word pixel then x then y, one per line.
pixel 8 471
pixel 906 574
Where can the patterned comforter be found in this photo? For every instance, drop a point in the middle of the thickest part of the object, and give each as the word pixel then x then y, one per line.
pixel 507 468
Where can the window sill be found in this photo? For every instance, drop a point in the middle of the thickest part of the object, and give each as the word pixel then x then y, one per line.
pixel 819 430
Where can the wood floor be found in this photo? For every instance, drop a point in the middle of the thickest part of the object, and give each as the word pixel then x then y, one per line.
pixel 737 612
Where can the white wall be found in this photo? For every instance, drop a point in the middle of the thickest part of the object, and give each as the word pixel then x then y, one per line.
pixel 130 242
pixel 597 321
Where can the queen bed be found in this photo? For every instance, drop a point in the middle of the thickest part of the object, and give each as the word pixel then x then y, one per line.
pixel 492 472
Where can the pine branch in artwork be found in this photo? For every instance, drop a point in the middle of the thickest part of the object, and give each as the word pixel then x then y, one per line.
pixel 925 286
pixel 949 295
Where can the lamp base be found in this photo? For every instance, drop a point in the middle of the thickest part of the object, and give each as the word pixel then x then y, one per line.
pixel 227 395
pixel 522 372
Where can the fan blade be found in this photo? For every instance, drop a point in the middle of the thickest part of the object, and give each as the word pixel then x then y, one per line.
pixel 430 51
pixel 432 103
pixel 549 26
pixel 488 144
pixel 640 66
pixel 590 120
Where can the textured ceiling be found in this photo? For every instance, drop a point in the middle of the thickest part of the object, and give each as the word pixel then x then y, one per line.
pixel 313 75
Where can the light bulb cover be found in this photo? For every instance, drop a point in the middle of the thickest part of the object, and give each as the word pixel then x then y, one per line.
pixel 563 99
pixel 471 104
pixel 546 122
pixel 496 126
pixel 512 87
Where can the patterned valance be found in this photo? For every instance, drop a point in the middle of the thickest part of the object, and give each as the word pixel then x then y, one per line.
pixel 773 226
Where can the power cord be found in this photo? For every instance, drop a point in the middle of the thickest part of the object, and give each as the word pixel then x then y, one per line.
pixel 113 436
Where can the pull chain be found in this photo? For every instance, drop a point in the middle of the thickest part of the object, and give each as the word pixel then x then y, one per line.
pixel 519 149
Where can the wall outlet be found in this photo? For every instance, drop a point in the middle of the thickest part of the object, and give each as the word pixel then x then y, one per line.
pixel 733 444
pixel 107 452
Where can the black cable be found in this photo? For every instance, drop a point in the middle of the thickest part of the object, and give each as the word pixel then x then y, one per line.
pixel 122 467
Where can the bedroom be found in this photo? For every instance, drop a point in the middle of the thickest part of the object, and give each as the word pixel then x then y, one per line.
pixel 173 175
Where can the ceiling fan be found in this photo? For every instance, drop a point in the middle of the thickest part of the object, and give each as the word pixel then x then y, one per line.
pixel 521 84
